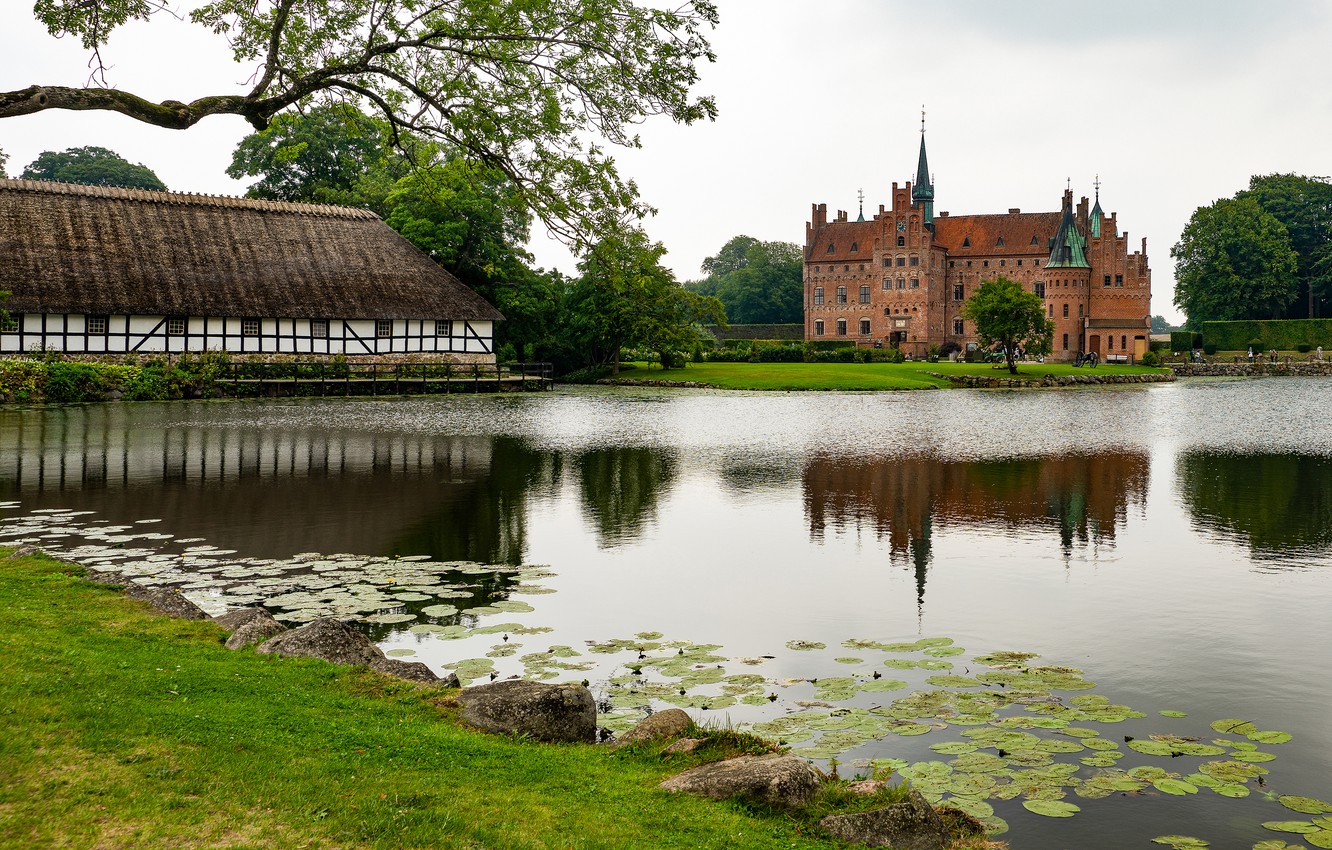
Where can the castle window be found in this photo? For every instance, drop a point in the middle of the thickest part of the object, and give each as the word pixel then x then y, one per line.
pixel 901 241
pixel 1034 241
pixel 855 246
pixel 319 329
pixel 831 247
pixel 901 261
pixel 901 283
pixel 1019 262
pixel 864 294
pixel 1000 243
pixel 841 327
pixel 985 263
pixel 841 295
pixel 1038 262
pixel 1119 280
pixel 887 284
pixel 249 327
pixel 1052 311
pixel 887 261
pixel 95 325
pixel 818 327
pixel 966 242
pixel 1079 311
pixel 915 261
pixel 968 263
pixel 1107 280
pixel 1039 288
pixel 1110 340
pixel 816 269
pixel 958 292
pixel 383 328
pixel 862 267
pixel 818 295
pixel 952 263
pixel 958 327
pixel 1066 311
pixel 915 283
pixel 846 268
pixel 1123 343
pixel 1066 342
pixel 1001 262
pixel 175 326
pixel 864 327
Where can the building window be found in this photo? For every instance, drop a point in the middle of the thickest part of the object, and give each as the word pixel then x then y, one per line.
pixel 1119 280
pixel 985 263
pixel 1107 280
pixel 901 241
pixel 443 327
pixel 319 328
pixel 1110 341
pixel 1019 262
pixel 901 261
pixel 1039 288
pixel 1065 311
pixel 915 283
pixel 1002 262
pixel 862 267
pixel 1066 342
pixel 383 328
pixel 1123 343
pixel 887 261
pixel 11 323
pixel 901 283
pixel 95 325
pixel 959 292
pixel 818 327
pixel 841 295
pixel 864 327
pixel 846 268
pixel 831 247
pixel 966 242
pixel 1052 311
pixel 175 326
pixel 1079 311
pixel 841 327
pixel 818 296
pixel 864 294
pixel 1000 243
pixel 855 246
pixel 958 327
pixel 887 284
pixel 915 261
pixel 249 327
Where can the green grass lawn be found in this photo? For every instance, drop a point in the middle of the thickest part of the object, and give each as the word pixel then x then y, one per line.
pixel 854 376
pixel 126 729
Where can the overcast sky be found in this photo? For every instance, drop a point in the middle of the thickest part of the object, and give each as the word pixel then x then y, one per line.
pixel 1174 104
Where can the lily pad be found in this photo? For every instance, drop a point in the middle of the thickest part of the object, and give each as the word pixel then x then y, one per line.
pixel 1270 737
pixel 1176 787
pixel 1174 714
pixel 1321 838
pixel 805 645
pixel 1296 826
pixel 1234 726
pixel 1180 842
pixel 1307 805
pixel 1051 808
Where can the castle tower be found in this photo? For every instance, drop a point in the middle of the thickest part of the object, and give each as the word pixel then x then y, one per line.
pixel 1068 284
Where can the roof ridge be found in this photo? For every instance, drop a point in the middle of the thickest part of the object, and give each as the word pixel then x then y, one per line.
pixel 51 187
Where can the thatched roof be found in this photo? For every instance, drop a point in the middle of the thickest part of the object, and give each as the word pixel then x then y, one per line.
pixel 87 249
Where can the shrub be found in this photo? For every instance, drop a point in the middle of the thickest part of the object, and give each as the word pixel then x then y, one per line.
pixel 1303 348
pixel 1209 348
pixel 1283 334
pixel 1184 340
pixel 1152 359
pixel 895 355
pixel 1257 344
pixel 778 354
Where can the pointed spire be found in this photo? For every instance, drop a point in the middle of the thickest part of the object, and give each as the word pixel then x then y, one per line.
pixel 1068 248
pixel 1097 213
pixel 923 189
pixel 860 194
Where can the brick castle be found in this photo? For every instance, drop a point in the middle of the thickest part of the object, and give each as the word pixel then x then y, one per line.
pixel 901 277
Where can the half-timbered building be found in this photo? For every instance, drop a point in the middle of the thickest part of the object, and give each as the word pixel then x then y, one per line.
pixel 107 271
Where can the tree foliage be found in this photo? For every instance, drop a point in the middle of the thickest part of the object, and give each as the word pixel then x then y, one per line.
pixel 92 166
pixel 4 158
pixel 759 283
pixel 1234 261
pixel 1304 206
pixel 626 297
pixel 1006 314
pixel 532 88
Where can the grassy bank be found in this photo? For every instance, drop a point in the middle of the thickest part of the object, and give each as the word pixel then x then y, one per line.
pixel 124 728
pixel 854 376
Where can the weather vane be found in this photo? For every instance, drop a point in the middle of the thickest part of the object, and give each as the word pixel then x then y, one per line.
pixel 1097 184
pixel 922 119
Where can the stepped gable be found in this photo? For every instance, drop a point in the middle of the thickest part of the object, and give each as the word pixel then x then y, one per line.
pixel 67 248
pixel 842 235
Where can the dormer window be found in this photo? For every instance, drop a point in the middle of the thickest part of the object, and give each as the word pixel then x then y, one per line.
pixel 966 242
pixel 855 246
pixel 1000 243
pixel 831 247
pixel 1034 240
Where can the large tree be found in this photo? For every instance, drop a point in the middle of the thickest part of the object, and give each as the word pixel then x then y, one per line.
pixel 4 157
pixel 533 88
pixel 758 283
pixel 92 166
pixel 1234 261
pixel 1006 314
pixel 626 297
pixel 1304 206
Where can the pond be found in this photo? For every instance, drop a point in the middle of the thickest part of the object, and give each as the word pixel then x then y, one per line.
pixel 835 570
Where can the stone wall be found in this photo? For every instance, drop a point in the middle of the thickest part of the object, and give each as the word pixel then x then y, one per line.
pixel 982 382
pixel 1251 370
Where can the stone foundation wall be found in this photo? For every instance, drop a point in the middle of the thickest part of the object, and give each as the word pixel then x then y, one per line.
pixel 1250 370
pixel 981 382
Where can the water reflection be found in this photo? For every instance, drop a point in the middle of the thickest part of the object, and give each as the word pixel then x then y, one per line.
pixel 1280 505
pixel 1082 499
pixel 622 488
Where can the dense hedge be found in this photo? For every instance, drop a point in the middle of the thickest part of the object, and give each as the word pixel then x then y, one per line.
pixel 1184 340
pixel 59 381
pixel 1281 334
